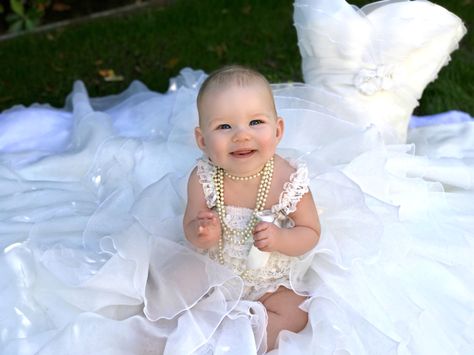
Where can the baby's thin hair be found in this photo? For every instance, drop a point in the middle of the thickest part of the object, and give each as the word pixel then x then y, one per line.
pixel 232 75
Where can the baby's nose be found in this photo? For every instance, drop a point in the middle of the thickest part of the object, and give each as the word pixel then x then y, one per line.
pixel 241 134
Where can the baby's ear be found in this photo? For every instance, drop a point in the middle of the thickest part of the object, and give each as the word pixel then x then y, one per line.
pixel 199 138
pixel 280 128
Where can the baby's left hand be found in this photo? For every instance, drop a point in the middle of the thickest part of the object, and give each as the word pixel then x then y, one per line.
pixel 265 236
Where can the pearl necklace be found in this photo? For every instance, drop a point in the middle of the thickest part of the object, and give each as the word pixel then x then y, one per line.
pixel 238 236
pixel 243 178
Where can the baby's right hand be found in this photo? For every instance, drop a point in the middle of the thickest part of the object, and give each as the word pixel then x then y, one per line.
pixel 208 229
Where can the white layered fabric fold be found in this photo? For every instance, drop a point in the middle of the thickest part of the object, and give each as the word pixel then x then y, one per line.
pixel 94 259
pixel 378 58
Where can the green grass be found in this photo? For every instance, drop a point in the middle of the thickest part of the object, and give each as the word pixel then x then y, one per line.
pixel 152 45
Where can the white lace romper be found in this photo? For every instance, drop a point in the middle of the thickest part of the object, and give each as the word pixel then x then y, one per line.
pixel 277 269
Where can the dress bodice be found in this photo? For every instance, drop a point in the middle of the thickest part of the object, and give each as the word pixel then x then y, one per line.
pixel 377 67
pixel 235 254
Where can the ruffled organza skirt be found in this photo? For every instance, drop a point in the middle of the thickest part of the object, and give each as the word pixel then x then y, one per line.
pixel 94 259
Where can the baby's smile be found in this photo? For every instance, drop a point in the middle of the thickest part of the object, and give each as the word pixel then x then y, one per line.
pixel 242 153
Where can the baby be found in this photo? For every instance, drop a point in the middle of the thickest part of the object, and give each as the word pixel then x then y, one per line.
pixel 243 197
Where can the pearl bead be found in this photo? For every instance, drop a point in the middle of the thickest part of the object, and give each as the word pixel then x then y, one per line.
pixel 243 178
pixel 239 237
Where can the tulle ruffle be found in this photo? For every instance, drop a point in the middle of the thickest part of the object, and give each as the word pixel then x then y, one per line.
pixel 94 248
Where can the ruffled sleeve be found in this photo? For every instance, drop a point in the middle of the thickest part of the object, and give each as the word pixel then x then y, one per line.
pixel 205 172
pixel 293 190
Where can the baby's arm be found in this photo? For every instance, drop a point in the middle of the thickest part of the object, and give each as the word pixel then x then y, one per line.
pixel 201 224
pixel 291 241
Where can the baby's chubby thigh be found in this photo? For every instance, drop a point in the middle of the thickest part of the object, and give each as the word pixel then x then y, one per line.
pixel 283 312
pixel 284 301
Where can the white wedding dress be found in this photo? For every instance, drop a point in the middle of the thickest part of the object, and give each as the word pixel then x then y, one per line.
pixel 92 197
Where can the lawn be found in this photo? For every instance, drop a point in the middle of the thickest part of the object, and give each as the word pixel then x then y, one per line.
pixel 153 44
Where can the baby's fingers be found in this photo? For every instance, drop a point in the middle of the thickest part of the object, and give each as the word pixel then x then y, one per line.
pixel 201 231
pixel 257 236
pixel 204 222
pixel 261 244
pixel 203 226
pixel 206 215
pixel 261 226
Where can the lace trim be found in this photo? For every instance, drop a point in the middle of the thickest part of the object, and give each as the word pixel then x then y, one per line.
pixel 235 257
pixel 205 172
pixel 237 217
pixel 253 293
pixel 293 190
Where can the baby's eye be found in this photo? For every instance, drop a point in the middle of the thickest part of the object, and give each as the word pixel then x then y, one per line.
pixel 224 126
pixel 255 122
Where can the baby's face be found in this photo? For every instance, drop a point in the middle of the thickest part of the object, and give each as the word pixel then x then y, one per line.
pixel 239 130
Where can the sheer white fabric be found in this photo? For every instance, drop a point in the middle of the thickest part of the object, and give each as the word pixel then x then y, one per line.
pixel 93 250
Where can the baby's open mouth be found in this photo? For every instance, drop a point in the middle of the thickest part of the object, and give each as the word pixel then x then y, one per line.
pixel 242 153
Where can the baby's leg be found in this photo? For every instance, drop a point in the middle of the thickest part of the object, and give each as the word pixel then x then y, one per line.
pixel 283 313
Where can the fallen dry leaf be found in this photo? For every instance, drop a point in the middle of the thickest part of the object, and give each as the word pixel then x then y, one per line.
pixel 61 7
pixel 170 64
pixel 109 75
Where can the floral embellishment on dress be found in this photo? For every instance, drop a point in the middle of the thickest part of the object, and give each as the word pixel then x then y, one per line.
pixel 370 81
